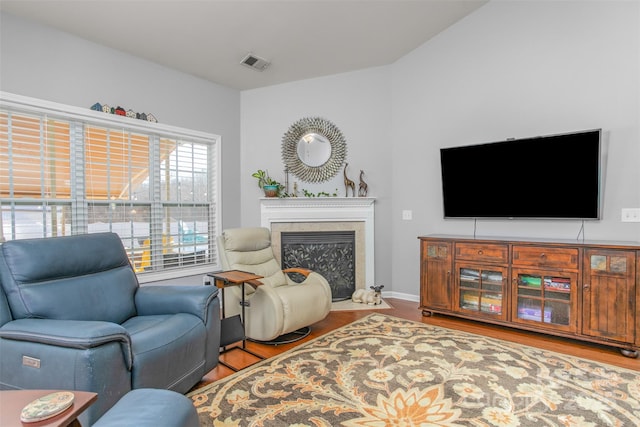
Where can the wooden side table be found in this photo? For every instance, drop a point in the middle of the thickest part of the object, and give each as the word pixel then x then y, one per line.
pixel 12 402
pixel 225 279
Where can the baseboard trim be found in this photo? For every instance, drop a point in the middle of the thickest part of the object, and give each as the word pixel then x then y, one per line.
pixel 402 296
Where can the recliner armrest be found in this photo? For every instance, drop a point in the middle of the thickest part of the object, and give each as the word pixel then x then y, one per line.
pixel 151 300
pixel 300 270
pixel 81 334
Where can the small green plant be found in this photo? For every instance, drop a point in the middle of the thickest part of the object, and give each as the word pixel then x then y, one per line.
pixel 264 179
pixel 319 194
pixel 270 186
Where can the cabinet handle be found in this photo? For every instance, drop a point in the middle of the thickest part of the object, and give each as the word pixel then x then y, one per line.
pixel 480 252
pixel 586 286
pixel 543 255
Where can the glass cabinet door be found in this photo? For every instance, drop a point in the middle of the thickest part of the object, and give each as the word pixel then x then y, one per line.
pixel 481 290
pixel 545 298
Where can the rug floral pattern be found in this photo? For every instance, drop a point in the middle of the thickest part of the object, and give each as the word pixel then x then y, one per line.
pixel 385 371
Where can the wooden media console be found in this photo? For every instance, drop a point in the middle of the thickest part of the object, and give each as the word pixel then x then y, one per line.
pixel 583 290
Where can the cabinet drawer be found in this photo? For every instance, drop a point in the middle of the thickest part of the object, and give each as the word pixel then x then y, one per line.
pixel 540 256
pixel 492 252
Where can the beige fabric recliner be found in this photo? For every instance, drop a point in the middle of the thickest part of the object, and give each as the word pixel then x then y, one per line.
pixel 280 305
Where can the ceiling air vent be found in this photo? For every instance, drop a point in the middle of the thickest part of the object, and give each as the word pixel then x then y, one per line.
pixel 255 62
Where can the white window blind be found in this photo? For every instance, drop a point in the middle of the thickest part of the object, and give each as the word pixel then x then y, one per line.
pixel 67 171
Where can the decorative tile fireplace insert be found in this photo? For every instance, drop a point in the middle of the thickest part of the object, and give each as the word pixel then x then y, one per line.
pixel 330 253
pixel 326 215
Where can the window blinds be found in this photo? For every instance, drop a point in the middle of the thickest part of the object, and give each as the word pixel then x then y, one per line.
pixel 68 171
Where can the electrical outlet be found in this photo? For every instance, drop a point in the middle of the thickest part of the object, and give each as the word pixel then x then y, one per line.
pixel 407 215
pixel 630 215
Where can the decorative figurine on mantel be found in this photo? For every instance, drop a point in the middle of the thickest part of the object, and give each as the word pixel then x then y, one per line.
pixel 286 180
pixel 348 184
pixel 363 188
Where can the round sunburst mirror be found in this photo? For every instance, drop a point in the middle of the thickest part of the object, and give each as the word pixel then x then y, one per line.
pixel 313 149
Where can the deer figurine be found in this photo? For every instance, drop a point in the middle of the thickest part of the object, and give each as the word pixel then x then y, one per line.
pixel 348 184
pixel 363 188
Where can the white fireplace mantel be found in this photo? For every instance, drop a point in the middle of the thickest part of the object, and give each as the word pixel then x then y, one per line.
pixel 325 209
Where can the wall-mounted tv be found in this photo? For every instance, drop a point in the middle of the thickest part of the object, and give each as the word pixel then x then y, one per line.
pixel 545 177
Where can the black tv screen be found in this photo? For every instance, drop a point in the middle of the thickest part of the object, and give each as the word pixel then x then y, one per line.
pixel 549 177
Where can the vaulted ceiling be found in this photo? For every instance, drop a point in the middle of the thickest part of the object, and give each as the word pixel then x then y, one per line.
pixel 208 38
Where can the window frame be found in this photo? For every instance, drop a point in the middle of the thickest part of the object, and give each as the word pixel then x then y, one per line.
pixel 79 118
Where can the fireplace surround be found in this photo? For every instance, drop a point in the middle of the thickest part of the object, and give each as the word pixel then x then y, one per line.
pixel 329 214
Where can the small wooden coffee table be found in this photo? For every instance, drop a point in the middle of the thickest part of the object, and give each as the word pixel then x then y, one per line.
pixel 12 402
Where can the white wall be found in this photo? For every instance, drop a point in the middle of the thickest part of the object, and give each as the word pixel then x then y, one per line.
pixel 44 63
pixel 511 69
pixel 358 103
pixel 517 69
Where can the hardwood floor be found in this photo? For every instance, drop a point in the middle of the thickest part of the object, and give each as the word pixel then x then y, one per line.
pixel 409 310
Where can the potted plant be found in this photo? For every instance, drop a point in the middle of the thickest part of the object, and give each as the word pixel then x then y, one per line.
pixel 270 186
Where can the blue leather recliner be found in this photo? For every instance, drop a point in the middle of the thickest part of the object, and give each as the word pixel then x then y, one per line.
pixel 73 316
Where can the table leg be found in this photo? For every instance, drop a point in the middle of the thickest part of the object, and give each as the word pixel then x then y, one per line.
pixel 244 330
pixel 244 333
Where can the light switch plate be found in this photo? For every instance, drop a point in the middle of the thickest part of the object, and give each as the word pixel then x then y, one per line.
pixel 630 215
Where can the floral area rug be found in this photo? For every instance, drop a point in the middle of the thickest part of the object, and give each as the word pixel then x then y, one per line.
pixel 386 371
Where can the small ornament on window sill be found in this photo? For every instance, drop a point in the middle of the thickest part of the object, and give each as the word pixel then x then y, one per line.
pixel 122 112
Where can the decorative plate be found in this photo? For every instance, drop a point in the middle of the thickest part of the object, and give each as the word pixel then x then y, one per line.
pixel 47 406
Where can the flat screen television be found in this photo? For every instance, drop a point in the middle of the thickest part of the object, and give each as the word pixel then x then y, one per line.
pixel 545 177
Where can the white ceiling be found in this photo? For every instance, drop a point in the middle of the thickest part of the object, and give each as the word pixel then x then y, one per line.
pixel 208 38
